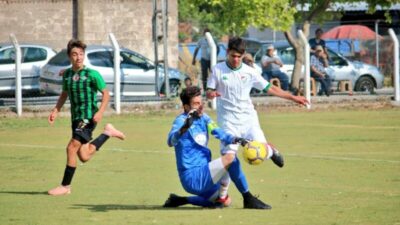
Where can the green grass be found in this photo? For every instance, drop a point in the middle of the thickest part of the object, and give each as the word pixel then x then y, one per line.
pixel 342 167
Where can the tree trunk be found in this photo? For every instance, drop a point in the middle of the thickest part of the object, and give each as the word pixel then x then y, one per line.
pixel 296 43
pixel 298 46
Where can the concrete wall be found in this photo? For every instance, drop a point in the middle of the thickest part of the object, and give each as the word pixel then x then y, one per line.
pixel 50 22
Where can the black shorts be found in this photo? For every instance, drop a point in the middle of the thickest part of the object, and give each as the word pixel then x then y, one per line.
pixel 82 130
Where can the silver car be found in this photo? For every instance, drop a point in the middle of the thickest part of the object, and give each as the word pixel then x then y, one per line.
pixel 364 77
pixel 137 72
pixel 33 58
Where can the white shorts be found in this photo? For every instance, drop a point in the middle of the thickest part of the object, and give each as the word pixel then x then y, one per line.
pixel 250 130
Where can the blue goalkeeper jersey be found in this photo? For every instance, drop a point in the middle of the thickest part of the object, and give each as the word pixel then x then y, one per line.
pixel 191 147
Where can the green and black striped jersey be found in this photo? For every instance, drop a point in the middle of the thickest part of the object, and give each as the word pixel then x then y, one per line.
pixel 82 90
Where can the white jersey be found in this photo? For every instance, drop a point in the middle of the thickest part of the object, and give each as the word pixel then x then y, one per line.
pixel 234 106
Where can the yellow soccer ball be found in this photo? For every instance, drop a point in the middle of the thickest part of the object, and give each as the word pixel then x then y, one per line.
pixel 254 152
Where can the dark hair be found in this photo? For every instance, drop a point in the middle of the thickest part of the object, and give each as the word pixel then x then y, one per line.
pixel 237 44
pixel 188 93
pixel 74 43
pixel 319 30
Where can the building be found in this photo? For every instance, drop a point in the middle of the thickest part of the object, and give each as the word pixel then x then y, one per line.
pixel 55 22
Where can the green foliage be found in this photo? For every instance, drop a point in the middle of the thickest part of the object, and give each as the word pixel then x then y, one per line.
pixel 234 17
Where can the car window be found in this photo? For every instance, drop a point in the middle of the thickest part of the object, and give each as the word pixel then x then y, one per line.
pixel 132 61
pixel 102 59
pixel 191 47
pixel 61 59
pixel 335 59
pixel 32 54
pixel 287 55
pixel 7 56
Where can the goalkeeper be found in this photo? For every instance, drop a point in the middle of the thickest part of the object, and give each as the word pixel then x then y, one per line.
pixel 200 176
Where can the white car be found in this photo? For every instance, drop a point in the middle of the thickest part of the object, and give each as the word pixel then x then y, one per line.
pixel 137 72
pixel 364 77
pixel 33 58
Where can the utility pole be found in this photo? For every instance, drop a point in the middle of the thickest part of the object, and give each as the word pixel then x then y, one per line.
pixel 160 32
pixel 80 6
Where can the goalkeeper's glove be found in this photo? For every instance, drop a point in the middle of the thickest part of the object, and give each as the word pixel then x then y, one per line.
pixel 241 141
pixel 192 115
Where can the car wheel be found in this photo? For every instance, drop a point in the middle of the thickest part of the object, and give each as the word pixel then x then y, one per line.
pixel 365 84
pixel 174 86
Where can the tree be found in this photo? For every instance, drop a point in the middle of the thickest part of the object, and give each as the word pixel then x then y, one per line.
pixel 234 17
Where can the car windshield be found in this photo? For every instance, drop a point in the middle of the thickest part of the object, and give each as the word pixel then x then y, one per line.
pixel 32 54
pixel 286 55
pixel 101 58
pixel 7 56
pixel 61 59
pixel 133 61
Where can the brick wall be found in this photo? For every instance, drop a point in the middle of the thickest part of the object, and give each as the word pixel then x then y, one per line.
pixel 50 22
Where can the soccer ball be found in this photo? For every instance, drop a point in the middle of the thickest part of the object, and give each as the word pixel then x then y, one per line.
pixel 254 152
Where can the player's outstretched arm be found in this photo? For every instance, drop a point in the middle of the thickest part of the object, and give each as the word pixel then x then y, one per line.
pixel 60 102
pixel 276 91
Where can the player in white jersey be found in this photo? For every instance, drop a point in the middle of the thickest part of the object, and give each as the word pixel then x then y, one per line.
pixel 231 82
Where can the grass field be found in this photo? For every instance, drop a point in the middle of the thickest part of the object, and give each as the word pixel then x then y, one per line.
pixel 342 167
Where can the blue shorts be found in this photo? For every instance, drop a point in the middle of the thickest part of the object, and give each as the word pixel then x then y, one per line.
pixel 198 181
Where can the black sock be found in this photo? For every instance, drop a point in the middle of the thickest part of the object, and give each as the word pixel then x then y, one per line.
pixel 68 174
pixel 99 141
pixel 247 195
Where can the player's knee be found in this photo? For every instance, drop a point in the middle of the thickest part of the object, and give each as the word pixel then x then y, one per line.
pixel 228 158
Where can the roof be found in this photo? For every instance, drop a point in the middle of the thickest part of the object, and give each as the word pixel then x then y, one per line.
pixel 356 6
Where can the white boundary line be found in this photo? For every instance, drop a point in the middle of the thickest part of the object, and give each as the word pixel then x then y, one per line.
pixel 170 151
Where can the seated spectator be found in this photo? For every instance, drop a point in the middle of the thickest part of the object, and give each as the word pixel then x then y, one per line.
pixel 271 65
pixel 318 63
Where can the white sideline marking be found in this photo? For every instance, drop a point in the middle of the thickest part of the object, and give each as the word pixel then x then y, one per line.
pixel 167 151
pixel 170 151
pixel 355 126
pixel 342 158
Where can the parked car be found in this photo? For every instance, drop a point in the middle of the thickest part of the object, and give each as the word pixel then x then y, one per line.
pixel 137 72
pixel 33 57
pixel 187 50
pixel 253 45
pixel 364 77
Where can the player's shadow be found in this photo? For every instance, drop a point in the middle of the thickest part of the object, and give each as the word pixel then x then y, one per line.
pixel 24 192
pixel 114 207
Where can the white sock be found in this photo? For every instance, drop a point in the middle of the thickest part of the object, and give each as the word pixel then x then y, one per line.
pixel 225 181
pixel 269 151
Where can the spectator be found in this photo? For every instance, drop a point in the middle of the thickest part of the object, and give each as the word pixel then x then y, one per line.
pixel 205 61
pixel 313 42
pixel 318 63
pixel 271 65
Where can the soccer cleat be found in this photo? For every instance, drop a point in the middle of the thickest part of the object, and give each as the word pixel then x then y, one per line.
pixel 60 190
pixel 253 202
pixel 276 157
pixel 174 201
pixel 109 130
pixel 223 202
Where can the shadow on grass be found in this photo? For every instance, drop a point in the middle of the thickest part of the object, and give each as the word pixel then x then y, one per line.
pixel 24 192
pixel 111 207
